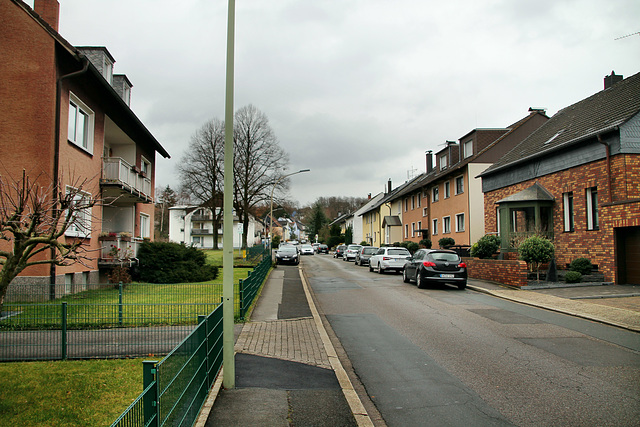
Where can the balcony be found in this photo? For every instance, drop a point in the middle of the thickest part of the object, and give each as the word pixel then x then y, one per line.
pixel 195 218
pixel 118 249
pixel 204 232
pixel 122 182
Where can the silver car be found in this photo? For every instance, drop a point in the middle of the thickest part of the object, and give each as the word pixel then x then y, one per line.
pixel 351 252
pixel 362 257
pixel 389 259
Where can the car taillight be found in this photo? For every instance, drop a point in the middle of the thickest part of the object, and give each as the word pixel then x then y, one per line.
pixel 428 264
pixel 386 258
pixel 462 265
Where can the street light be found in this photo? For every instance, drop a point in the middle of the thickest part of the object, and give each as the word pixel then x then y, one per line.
pixel 271 211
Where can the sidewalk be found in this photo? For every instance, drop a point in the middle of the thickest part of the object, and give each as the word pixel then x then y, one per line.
pixel 287 371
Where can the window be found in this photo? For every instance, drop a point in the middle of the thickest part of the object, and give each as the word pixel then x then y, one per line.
pixel 443 162
pixel 144 225
pixel 592 209
pixel 459 185
pixel 435 194
pixel 145 167
pixel 80 224
pixel 435 227
pixel 413 229
pixel 468 149
pixel 419 202
pixel 425 212
pixel 406 230
pixel 419 226
pixel 196 240
pixel 80 127
pixel 406 205
pixel 459 222
pixel 446 224
pixel 567 201
pixel 413 202
pixel 447 190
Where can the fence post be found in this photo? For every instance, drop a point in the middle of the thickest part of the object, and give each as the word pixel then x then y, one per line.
pixel 120 304
pixel 203 342
pixel 150 400
pixel 63 338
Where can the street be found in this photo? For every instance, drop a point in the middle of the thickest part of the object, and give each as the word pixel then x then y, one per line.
pixel 441 356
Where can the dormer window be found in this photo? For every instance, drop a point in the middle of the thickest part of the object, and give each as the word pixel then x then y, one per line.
pixel 443 162
pixel 107 70
pixel 468 149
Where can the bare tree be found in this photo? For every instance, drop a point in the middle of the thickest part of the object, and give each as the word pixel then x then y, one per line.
pixel 201 170
pixel 34 221
pixel 259 162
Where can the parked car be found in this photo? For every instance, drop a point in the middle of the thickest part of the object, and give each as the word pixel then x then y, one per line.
pixel 351 252
pixel 363 255
pixel 287 254
pixel 306 250
pixel 323 249
pixel 315 246
pixel 435 266
pixel 389 259
pixel 340 251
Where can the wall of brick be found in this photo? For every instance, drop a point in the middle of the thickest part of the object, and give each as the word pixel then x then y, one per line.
pixel 507 272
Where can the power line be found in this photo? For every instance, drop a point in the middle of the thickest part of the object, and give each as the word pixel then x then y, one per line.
pixel 628 35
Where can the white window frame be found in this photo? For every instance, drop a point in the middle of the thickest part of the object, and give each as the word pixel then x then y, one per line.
pixel 468 149
pixel 80 224
pixel 419 201
pixel 593 220
pixel 443 162
pixel 77 109
pixel 413 229
pixel 569 211
pixel 446 225
pixel 145 225
pixel 460 190
pixel 425 212
pixel 145 166
pixel 419 226
pixel 434 223
pixel 459 228
pixel 406 230
pixel 447 189
pixel 435 194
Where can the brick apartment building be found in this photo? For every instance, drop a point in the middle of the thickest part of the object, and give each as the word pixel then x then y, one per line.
pixel 576 180
pixel 66 116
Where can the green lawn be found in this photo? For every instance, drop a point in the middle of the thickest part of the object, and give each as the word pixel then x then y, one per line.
pixel 72 393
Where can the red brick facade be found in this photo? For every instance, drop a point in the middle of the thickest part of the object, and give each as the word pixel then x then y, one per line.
pixel 507 272
pixel 620 209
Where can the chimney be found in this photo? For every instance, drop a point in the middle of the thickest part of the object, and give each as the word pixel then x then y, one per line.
pixel 429 161
pixel 49 10
pixel 389 186
pixel 369 196
pixel 612 79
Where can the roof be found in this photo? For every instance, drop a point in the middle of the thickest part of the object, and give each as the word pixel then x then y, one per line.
pixel 391 221
pixel 600 113
pixel 532 194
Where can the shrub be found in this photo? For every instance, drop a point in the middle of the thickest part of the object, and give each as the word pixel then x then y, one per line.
pixel 573 277
pixel 536 250
pixel 119 274
pixel 486 246
pixel 275 241
pixel 425 243
pixel 164 262
pixel 364 243
pixel 412 247
pixel 581 265
pixel 445 242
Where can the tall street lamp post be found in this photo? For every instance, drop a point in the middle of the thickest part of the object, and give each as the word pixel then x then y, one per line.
pixel 271 211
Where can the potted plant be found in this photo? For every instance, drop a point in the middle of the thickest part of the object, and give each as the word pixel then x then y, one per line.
pixel 125 236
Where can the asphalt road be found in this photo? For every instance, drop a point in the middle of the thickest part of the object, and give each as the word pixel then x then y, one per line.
pixel 441 356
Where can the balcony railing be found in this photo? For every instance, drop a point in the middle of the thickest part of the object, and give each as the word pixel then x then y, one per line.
pixel 204 232
pixel 116 171
pixel 201 218
pixel 119 250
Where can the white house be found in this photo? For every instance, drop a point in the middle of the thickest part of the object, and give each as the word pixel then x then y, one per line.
pixel 193 225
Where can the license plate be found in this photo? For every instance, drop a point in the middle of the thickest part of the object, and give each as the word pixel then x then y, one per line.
pixel 447 276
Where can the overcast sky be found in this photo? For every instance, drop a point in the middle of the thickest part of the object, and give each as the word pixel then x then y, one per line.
pixel 356 90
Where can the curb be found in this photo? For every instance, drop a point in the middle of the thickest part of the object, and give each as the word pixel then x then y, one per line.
pixel 357 408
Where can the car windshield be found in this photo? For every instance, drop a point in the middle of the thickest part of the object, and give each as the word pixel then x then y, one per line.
pixel 287 250
pixel 398 251
pixel 354 247
pixel 307 247
pixel 369 251
pixel 444 256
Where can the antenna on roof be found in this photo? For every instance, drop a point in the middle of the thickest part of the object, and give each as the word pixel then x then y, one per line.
pixel 628 35
pixel 411 173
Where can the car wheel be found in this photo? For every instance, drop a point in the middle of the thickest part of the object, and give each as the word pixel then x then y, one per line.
pixel 380 270
pixel 462 286
pixel 405 278
pixel 419 282
pixel 370 268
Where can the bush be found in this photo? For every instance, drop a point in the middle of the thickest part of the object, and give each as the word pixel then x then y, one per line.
pixel 486 246
pixel 536 250
pixel 581 265
pixel 275 241
pixel 425 243
pixel 164 262
pixel 412 247
pixel 445 242
pixel 364 243
pixel 573 277
pixel 119 274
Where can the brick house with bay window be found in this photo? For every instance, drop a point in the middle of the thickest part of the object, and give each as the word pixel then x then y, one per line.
pixel 577 181
pixel 66 117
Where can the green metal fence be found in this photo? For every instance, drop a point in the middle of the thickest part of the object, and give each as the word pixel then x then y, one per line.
pixel 176 387
pixel 111 321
